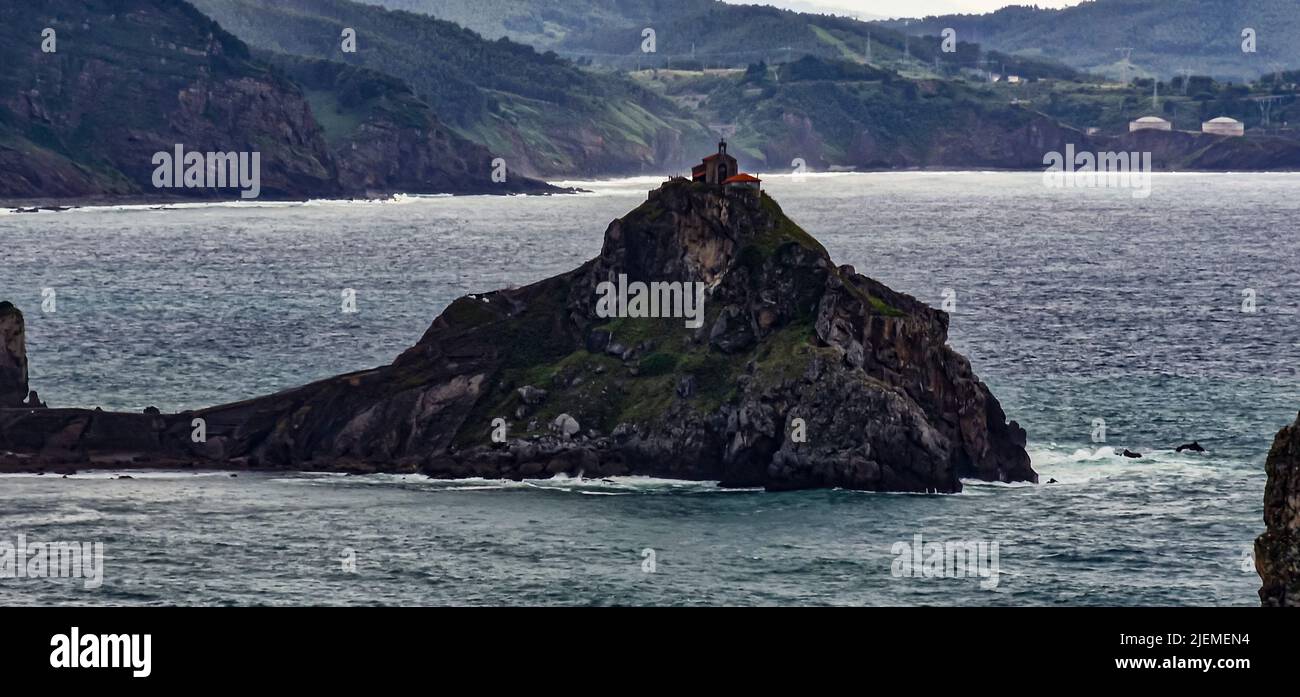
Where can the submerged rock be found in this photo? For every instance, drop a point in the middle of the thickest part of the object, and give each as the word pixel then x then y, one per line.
pixel 797 373
pixel 1277 551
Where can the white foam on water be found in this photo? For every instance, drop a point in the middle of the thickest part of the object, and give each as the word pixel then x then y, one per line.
pixel 1069 465
pixel 792 177
pixel 68 516
pixel 115 474
pixel 151 474
pixel 609 486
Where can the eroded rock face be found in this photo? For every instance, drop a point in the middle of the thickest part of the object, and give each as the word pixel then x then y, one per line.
pixel 802 374
pixel 13 356
pixel 87 119
pixel 1277 551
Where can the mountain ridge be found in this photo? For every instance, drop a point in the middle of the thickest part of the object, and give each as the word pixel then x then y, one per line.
pixel 544 115
pixel 1203 36
pixel 131 79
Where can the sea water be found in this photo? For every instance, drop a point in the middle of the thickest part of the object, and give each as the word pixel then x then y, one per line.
pixel 1100 321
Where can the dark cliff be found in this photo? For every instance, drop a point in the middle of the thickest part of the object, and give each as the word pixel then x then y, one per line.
pixel 1277 551
pixel 131 78
pixel 546 115
pixel 13 357
pixel 801 374
pixel 1203 152
pixel 385 140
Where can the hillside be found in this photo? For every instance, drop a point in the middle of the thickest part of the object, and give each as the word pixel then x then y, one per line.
pixel 1201 36
pixel 132 78
pixel 541 113
pixel 425 106
pixel 543 24
pixel 385 140
pixel 1111 107
pixel 689 33
pixel 841 114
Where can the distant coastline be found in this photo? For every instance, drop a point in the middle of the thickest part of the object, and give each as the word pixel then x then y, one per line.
pixel 58 205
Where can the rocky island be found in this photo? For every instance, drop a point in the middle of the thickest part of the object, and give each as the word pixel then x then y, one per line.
pixel 802 374
pixel 1277 551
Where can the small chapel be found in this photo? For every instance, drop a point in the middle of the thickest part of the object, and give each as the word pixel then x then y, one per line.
pixel 721 168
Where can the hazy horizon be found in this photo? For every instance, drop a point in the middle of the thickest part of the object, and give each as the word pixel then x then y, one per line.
pixel 900 8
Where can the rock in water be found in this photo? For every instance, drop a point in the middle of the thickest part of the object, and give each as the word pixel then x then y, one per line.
pixel 13 356
pixel 793 373
pixel 1277 551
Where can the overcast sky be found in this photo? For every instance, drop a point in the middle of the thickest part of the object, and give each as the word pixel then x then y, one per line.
pixel 902 8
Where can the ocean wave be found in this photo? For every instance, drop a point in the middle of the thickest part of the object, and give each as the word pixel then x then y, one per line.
pixel 1072 464
pixel 563 483
pixel 23 519
pixel 395 199
pixel 622 183
pixel 114 474
pixel 66 516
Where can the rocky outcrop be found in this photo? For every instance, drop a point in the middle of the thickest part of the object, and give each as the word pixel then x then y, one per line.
pixel 13 356
pixel 1277 551
pixel 798 374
